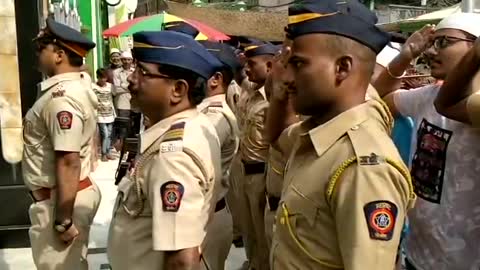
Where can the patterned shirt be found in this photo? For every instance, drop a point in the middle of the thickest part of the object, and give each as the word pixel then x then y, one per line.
pixel 445 223
pixel 105 111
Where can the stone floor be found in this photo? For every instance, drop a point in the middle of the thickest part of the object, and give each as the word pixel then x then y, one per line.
pixel 21 259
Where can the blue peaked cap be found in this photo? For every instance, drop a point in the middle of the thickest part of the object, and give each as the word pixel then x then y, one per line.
pixel 260 48
pixel 348 18
pixel 223 52
pixel 174 49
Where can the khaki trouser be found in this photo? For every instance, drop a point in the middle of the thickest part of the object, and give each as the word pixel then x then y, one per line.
pixel 254 200
pixel 234 197
pixel 269 227
pixel 49 253
pixel 218 241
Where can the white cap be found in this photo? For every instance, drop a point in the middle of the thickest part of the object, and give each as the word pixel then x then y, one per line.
pixel 114 50
pixel 126 54
pixel 467 22
pixel 388 54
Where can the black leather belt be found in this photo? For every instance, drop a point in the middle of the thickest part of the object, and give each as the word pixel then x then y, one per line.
pixel 253 167
pixel 220 205
pixel 273 202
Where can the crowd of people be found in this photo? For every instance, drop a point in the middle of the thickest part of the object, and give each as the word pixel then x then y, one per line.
pixel 320 153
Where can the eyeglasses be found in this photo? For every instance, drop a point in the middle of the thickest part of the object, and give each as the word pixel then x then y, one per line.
pixel 148 74
pixel 443 42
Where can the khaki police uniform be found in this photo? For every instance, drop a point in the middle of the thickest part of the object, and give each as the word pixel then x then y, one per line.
pixel 220 230
pixel 236 171
pixel 233 94
pixel 253 154
pixel 62 119
pixel 165 202
pixel 345 194
pixel 274 181
pixel 473 108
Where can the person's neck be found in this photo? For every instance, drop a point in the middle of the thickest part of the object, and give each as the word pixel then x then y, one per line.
pixel 350 101
pixel 155 116
pixel 126 68
pixel 215 92
pixel 102 84
pixel 66 69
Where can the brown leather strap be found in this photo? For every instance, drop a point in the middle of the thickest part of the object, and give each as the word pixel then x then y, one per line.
pixel 45 193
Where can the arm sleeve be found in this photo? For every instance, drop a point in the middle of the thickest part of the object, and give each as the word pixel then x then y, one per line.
pixel 369 211
pixel 473 108
pixel 224 131
pixel 177 201
pixel 257 128
pixel 409 102
pixel 64 121
pixel 286 140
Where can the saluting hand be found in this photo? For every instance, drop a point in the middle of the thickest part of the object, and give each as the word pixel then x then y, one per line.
pixel 418 42
pixel 277 82
pixel 70 235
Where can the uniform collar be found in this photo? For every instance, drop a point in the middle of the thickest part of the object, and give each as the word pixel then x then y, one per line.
pixel 52 81
pixel 216 98
pixel 149 136
pixel 324 136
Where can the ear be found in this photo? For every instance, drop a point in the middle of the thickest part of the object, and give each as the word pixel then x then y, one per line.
pixel 269 65
pixel 59 56
pixel 216 80
pixel 343 67
pixel 179 92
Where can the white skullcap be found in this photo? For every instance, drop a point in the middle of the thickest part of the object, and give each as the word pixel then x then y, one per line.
pixel 388 54
pixel 126 54
pixel 114 50
pixel 467 22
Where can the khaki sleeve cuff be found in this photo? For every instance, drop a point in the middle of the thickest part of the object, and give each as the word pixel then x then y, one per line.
pixel 473 108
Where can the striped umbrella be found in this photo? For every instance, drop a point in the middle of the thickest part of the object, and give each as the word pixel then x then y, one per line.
pixel 165 21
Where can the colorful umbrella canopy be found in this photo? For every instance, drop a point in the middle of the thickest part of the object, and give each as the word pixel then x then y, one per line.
pixel 165 21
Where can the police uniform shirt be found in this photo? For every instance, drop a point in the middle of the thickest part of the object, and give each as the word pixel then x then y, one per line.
pixel 253 146
pixel 473 108
pixel 178 172
pixel 225 122
pixel 62 119
pixel 345 194
pixel 233 94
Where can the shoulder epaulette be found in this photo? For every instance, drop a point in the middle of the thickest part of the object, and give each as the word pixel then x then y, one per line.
pixel 216 104
pixel 174 133
pixel 59 91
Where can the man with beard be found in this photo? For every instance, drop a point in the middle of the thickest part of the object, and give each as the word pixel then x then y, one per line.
pixel 445 167
pixel 58 132
pixel 346 191
pixel 253 153
pixel 165 201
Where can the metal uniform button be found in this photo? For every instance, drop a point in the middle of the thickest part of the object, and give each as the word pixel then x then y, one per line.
pixel 354 128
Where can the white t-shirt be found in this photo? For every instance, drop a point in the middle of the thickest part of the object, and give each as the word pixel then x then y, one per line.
pixel 445 223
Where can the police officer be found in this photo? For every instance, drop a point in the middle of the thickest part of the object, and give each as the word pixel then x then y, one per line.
pixel 58 132
pixel 458 98
pixel 165 201
pixel 346 190
pixel 220 231
pixel 253 153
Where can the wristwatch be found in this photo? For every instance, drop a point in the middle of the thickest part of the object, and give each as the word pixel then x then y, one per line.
pixel 63 226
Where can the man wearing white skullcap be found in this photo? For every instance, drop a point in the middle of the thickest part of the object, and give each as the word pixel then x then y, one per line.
pixel 445 229
pixel 459 97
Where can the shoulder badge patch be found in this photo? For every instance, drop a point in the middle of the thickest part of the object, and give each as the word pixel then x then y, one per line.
pixel 373 159
pixel 381 217
pixel 58 93
pixel 65 119
pixel 172 193
pixel 175 133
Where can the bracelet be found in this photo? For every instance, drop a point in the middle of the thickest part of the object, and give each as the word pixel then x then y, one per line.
pixel 393 76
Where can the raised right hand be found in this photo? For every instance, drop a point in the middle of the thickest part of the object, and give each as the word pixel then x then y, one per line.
pixel 418 42
pixel 277 77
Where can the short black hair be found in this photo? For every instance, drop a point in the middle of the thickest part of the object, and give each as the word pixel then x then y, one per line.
pixel 227 74
pixel 74 59
pixel 196 84
pixel 102 73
